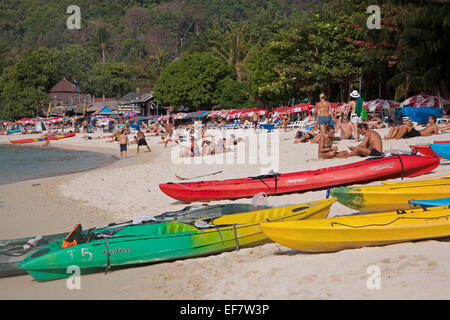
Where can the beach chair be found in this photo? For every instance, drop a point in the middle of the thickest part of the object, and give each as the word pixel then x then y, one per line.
pixel 296 124
pixel 267 126
pixel 277 123
pixel 234 125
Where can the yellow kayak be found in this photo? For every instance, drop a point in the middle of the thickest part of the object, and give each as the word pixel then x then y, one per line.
pixel 349 232
pixel 418 181
pixel 389 197
pixel 310 210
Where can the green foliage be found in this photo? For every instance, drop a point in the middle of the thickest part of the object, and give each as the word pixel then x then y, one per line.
pixel 275 49
pixel 235 94
pixel 23 86
pixel 192 81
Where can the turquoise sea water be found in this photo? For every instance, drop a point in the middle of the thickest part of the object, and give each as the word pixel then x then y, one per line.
pixel 18 163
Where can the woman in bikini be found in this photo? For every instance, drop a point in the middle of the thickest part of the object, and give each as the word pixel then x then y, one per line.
pixel 326 149
pixel 323 112
pixel 285 119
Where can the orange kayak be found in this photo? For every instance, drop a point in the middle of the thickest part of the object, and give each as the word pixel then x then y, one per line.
pixel 42 138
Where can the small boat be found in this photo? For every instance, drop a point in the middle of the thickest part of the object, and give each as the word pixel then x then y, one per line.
pixel 13 251
pixel 365 171
pixel 426 149
pixel 442 149
pixel 357 231
pixel 101 250
pixel 42 138
pixel 430 203
pixel 392 196
pixel 13 131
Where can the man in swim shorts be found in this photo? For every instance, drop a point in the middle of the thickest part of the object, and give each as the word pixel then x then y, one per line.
pixel 123 143
pixel 408 130
pixel 372 144
pixel 141 140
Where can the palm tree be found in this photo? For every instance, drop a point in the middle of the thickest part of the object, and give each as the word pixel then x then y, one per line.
pixel 102 41
pixel 234 52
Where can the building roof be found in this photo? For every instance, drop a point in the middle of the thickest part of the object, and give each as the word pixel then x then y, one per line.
pixel 63 86
pixel 129 98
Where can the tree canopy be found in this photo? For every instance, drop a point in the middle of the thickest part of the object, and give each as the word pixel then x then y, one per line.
pixel 236 52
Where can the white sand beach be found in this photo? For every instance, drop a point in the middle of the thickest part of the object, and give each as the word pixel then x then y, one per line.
pixel 128 188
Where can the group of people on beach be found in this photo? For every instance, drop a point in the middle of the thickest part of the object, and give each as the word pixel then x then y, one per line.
pixel 351 124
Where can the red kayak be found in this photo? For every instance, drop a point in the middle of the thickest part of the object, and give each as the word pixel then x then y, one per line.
pixel 37 139
pixel 365 171
pixel 426 149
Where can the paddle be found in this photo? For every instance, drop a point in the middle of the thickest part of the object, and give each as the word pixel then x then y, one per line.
pixel 206 175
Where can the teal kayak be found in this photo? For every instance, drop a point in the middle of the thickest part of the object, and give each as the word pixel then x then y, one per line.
pixel 442 149
pixel 116 247
pixel 13 251
pixel 431 203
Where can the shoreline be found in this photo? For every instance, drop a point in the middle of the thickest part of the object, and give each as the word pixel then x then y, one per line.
pixel 129 188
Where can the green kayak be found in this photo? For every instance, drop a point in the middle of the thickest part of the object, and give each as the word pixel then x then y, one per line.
pixel 12 251
pixel 103 249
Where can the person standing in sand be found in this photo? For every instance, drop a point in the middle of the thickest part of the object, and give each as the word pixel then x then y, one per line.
pixel 372 144
pixel 323 110
pixel 285 119
pixel 326 149
pixel 354 112
pixel 141 140
pixel 123 143
pixel 255 120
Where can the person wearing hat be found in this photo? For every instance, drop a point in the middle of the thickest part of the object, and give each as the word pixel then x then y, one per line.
pixel 354 109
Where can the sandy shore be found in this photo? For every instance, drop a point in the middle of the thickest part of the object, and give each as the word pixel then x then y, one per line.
pixel 129 188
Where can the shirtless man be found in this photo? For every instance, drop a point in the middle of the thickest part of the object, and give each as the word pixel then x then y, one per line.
pixel 170 135
pixel 323 110
pixel 123 143
pixel 255 120
pixel 408 131
pixel 326 148
pixel 372 145
pixel 141 140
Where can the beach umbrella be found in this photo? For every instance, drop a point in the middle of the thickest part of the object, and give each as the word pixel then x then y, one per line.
pixel 424 101
pixel 24 121
pixel 53 120
pixel 379 104
pixel 129 114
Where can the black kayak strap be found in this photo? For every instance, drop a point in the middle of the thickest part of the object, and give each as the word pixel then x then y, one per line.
pixel 267 176
pixel 403 168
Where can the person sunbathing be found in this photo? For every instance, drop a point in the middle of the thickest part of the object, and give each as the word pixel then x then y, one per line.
pixel 445 127
pixel 326 149
pixel 376 123
pixel 302 137
pixel 408 130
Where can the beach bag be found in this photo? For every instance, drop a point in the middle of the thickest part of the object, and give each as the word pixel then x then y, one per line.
pixel 363 114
